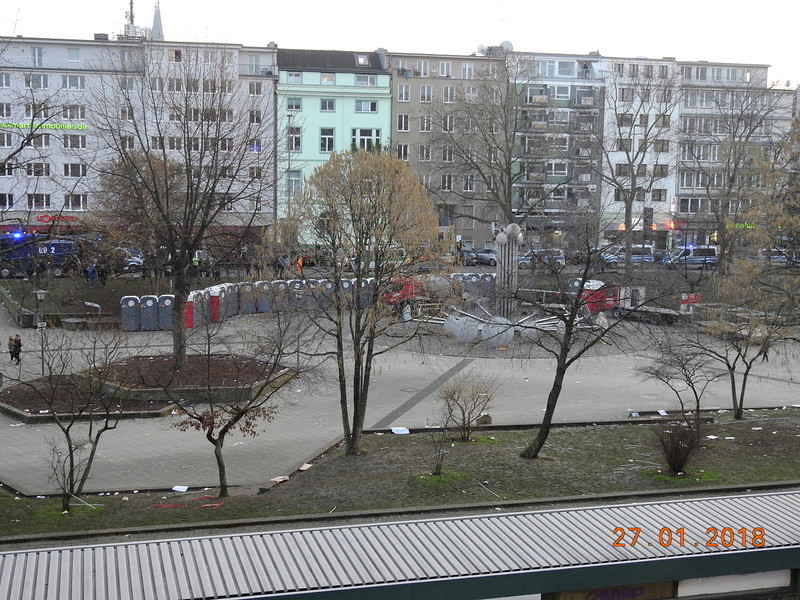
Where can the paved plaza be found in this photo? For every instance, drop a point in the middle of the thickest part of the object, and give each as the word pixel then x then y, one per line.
pixel 148 454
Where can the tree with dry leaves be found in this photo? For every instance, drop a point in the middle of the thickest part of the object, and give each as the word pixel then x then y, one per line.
pixel 368 212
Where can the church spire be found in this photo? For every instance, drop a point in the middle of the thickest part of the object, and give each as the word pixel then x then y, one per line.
pixel 157 33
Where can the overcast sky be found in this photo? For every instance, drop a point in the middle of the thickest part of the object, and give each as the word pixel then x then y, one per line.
pixel 753 32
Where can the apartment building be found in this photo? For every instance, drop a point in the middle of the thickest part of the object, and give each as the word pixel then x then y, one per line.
pixel 69 107
pixel 328 101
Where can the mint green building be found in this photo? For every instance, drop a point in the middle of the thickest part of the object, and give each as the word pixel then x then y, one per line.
pixel 328 101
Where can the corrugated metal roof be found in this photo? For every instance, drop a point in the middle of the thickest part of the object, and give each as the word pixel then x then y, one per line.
pixel 358 556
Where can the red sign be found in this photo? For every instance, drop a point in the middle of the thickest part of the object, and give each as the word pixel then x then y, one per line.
pixel 690 298
pixel 51 218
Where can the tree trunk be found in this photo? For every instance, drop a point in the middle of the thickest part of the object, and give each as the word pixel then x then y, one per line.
pixel 178 308
pixel 223 476
pixel 737 408
pixel 532 451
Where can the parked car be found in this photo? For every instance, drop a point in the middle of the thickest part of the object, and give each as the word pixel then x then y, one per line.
pixel 467 258
pixel 694 257
pixel 779 256
pixel 127 260
pixel 542 258
pixel 486 256
pixel 640 254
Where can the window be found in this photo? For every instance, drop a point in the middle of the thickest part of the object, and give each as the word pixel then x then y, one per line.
pixel 227 86
pixel 449 93
pixel 175 56
pixel 701 73
pixel 658 195
pixel 402 151
pixel 619 68
pixel 402 122
pixel 422 68
pixel 6 170
pixel 447 154
pixel 625 120
pixel 693 205
pixel 6 200
pixel 663 71
pixel 35 81
pixel 294 183
pixel 622 170
pixel 74 141
pixel 545 68
pixel 660 145
pixel 327 78
pixel 633 70
pixel 5 109
pixel 625 95
pixel 566 68
pixel 294 77
pixel 662 121
pixel 209 86
pixel 690 99
pixel 425 123
pixel 467 70
pixel 424 153
pixel 471 93
pixel 366 106
pixel 37 111
pixel 362 60
pixel 5 140
pixel 561 92
pixel 447 182
pixel 624 144
pixel 643 119
pixel 326 139
pixel 426 93
pixel 366 139
pixel 157 84
pixel 126 142
pixel 469 183
pixel 41 140
pixel 444 69
pixel 75 202
pixel 38 201
pixel 37 54
pixel 79 170
pixel 294 104
pixel 126 113
pixel 74 111
pixel 5 80
pixel 366 80
pixel 556 168
pixel 192 85
pixel 403 92
pixel 226 145
pixel 175 143
pixel 448 123
pixel 255 116
pixel 687 179
pixel 78 82
pixel 686 72
pixel 254 173
pixel 327 105
pixel 174 84
pixel 294 139
pixel 37 169
pixel 254 88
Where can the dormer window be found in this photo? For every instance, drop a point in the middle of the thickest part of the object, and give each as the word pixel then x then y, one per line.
pixel 362 60
pixel 175 56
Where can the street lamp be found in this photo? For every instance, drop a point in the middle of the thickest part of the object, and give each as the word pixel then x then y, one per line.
pixel 40 324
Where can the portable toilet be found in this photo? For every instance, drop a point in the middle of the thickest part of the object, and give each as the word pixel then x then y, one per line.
pixel 148 313
pixel 231 303
pixel 280 288
pixel 346 291
pixel 487 284
pixel 323 293
pixel 215 292
pixel 265 296
pixel 311 296
pixel 200 304
pixel 364 295
pixel 247 298
pixel 294 292
pixel 166 303
pixel 129 313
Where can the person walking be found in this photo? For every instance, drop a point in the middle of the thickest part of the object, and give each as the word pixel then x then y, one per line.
pixel 11 348
pixel 17 348
pixel 763 351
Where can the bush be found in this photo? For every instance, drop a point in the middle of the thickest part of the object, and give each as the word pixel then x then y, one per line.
pixel 677 444
pixel 464 400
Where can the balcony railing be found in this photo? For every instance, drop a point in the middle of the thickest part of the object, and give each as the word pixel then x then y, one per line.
pixel 258 70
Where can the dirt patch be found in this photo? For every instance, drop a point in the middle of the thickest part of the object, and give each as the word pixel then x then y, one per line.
pixel 62 395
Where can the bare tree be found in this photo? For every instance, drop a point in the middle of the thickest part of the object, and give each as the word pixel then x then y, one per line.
pixel 369 213
pixel 464 399
pixel 189 152
pixel 84 405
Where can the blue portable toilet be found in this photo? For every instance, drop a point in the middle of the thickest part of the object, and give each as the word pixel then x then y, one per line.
pixel 166 302
pixel 323 293
pixel 148 313
pixel 247 298
pixel 129 313
pixel 364 295
pixel 472 283
pixel 231 303
pixel 487 284
pixel 294 292
pixel 280 288
pixel 346 291
pixel 265 296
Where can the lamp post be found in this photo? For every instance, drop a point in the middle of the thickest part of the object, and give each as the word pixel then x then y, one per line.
pixel 507 241
pixel 40 324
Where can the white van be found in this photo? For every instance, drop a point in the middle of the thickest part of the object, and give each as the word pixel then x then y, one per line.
pixel 694 257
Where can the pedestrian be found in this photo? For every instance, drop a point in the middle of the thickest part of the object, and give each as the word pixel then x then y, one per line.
pixel 284 266
pixel 17 348
pixel 763 352
pixel 102 273
pixel 11 348
pixel 91 273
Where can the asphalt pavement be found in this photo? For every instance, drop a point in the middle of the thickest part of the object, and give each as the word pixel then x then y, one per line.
pixel 146 454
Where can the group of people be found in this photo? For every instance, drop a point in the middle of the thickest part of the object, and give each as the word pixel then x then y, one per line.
pixel 283 266
pixel 14 348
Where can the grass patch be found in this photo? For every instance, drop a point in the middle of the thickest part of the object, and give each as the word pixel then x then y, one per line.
pixel 391 471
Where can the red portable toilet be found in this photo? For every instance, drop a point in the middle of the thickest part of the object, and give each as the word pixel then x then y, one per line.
pixel 188 312
pixel 214 313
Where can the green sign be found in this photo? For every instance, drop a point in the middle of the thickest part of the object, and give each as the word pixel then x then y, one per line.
pixel 44 126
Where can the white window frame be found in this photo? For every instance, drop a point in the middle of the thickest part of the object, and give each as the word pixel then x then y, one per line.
pixel 426 93
pixel 327 78
pixel 323 105
pixel 327 139
pixel 467 70
pixel 403 92
pixel 403 123
pixel 445 68
pixel 75 202
pixel 366 106
pixel 363 80
pixel 448 94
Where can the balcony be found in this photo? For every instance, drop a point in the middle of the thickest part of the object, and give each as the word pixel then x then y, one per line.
pixel 258 70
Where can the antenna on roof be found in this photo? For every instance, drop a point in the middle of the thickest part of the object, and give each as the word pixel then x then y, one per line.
pixel 129 14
